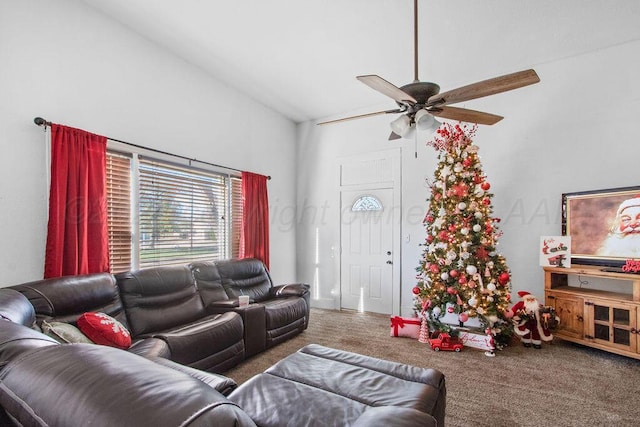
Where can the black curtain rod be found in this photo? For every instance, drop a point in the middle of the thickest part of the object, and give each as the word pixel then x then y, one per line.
pixel 42 122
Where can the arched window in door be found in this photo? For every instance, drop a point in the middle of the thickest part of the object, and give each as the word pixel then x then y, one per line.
pixel 366 203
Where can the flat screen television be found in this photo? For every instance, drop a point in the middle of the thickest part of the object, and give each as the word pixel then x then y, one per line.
pixel 604 226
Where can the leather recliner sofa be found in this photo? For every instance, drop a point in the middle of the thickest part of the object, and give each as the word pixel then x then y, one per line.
pixel 164 303
pixel 168 313
pixel 276 313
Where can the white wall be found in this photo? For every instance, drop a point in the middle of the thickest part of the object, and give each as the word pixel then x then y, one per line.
pixel 69 64
pixel 574 131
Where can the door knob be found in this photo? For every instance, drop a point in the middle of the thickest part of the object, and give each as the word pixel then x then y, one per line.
pixel 388 252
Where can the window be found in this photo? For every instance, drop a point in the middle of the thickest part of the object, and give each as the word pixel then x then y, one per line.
pixel 183 213
pixel 366 203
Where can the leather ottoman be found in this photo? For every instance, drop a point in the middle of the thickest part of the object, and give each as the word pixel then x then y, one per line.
pixel 321 386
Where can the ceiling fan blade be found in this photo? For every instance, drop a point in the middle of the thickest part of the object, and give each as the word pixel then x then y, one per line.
pixel 386 88
pixel 466 115
pixel 485 88
pixel 361 116
pixel 394 136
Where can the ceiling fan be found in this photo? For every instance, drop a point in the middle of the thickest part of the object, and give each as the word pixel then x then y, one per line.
pixel 421 101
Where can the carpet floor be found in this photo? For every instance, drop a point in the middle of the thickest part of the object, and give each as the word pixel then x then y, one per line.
pixel 562 384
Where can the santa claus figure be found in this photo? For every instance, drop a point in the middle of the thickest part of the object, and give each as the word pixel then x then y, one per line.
pixel 491 343
pixel 529 323
pixel 623 239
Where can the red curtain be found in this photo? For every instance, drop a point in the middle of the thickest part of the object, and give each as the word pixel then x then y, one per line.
pixel 77 234
pixel 254 238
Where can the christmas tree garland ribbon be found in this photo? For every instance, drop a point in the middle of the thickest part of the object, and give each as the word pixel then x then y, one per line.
pixel 445 175
pixel 425 305
pixel 478 278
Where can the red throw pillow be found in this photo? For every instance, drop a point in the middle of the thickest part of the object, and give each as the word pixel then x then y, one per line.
pixel 104 329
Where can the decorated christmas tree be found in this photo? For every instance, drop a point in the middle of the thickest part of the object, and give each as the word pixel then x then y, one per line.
pixel 461 270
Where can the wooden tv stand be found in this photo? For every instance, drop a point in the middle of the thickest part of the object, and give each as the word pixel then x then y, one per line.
pixel 605 320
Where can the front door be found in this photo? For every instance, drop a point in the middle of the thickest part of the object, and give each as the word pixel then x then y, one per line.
pixel 367 270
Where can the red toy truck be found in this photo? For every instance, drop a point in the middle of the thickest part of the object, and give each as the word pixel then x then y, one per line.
pixel 446 342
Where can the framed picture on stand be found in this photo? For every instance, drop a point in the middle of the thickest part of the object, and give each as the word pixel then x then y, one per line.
pixel 555 251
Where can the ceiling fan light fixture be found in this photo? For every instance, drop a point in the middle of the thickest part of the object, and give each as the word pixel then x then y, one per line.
pixel 426 121
pixel 401 126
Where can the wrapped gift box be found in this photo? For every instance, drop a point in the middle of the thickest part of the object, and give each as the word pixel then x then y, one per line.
pixel 405 327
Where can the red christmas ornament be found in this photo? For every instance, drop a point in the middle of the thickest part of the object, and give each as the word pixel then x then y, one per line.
pixel 460 190
pixel 452 228
pixel 486 201
pixel 482 253
pixel 443 235
pixel 450 309
pixel 450 290
pixel 434 268
pixel 503 278
pixel 453 273
pixel 429 219
pixel 462 280
pixel 416 290
pixel 485 186
pixel 429 238
pixel 463 317
pixel 466 162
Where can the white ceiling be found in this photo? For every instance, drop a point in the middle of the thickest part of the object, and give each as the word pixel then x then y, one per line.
pixel 300 57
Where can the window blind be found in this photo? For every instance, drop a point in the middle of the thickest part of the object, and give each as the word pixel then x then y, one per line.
pixel 181 212
pixel 119 211
pixel 236 215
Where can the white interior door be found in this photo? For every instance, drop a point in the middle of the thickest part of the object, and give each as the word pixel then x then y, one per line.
pixel 368 222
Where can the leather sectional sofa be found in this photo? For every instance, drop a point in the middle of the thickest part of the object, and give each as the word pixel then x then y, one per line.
pixel 186 326
pixel 188 314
